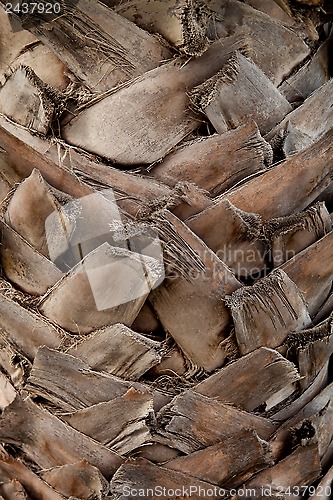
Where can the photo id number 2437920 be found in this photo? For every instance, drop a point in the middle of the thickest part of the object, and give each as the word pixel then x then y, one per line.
pixel 27 7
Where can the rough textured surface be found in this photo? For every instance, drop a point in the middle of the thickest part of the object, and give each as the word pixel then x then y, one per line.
pixel 166 290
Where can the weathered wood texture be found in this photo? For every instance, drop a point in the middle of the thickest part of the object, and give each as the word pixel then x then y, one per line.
pixel 13 489
pixel 297 182
pixel 215 421
pixel 265 313
pixel 235 236
pixel 33 485
pixel 142 476
pixel 80 479
pixel 290 410
pixel 238 92
pixel 21 47
pixel 313 348
pixel 28 152
pixel 116 51
pixel 172 363
pixel 217 163
pixel 95 293
pixel 25 329
pixel 183 23
pixel 39 203
pixel 307 123
pixel 30 270
pixel 275 49
pixel 306 269
pixel 165 290
pixel 311 76
pixel 324 310
pixel 300 468
pixel 26 100
pixel 58 164
pixel 29 426
pixel 15 367
pixel 119 351
pixel 226 463
pixel 162 92
pixel 266 373
pixel 198 278
pixel 279 10
pixel 78 387
pixel 127 430
pixel 292 234
pixel 324 487
pixel 282 438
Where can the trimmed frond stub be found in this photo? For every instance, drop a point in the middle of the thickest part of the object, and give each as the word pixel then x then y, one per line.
pixel 238 93
pixel 313 348
pixel 35 196
pixel 306 124
pixel 153 110
pixel 28 101
pixel 313 279
pixel 189 303
pixel 166 291
pixel 108 286
pixel 18 471
pixel 270 375
pixel 291 186
pixel 214 422
pixel 311 76
pixel 33 428
pixel 22 48
pixel 25 329
pixel 79 478
pixel 115 51
pixel 126 430
pixel 120 351
pixel 31 271
pixel 300 468
pixel 218 162
pixel 274 48
pixel 315 406
pixel 267 311
pixel 226 463
pixel 290 235
pixel 78 386
pixel 139 474
pixel 184 23
pixel 235 236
